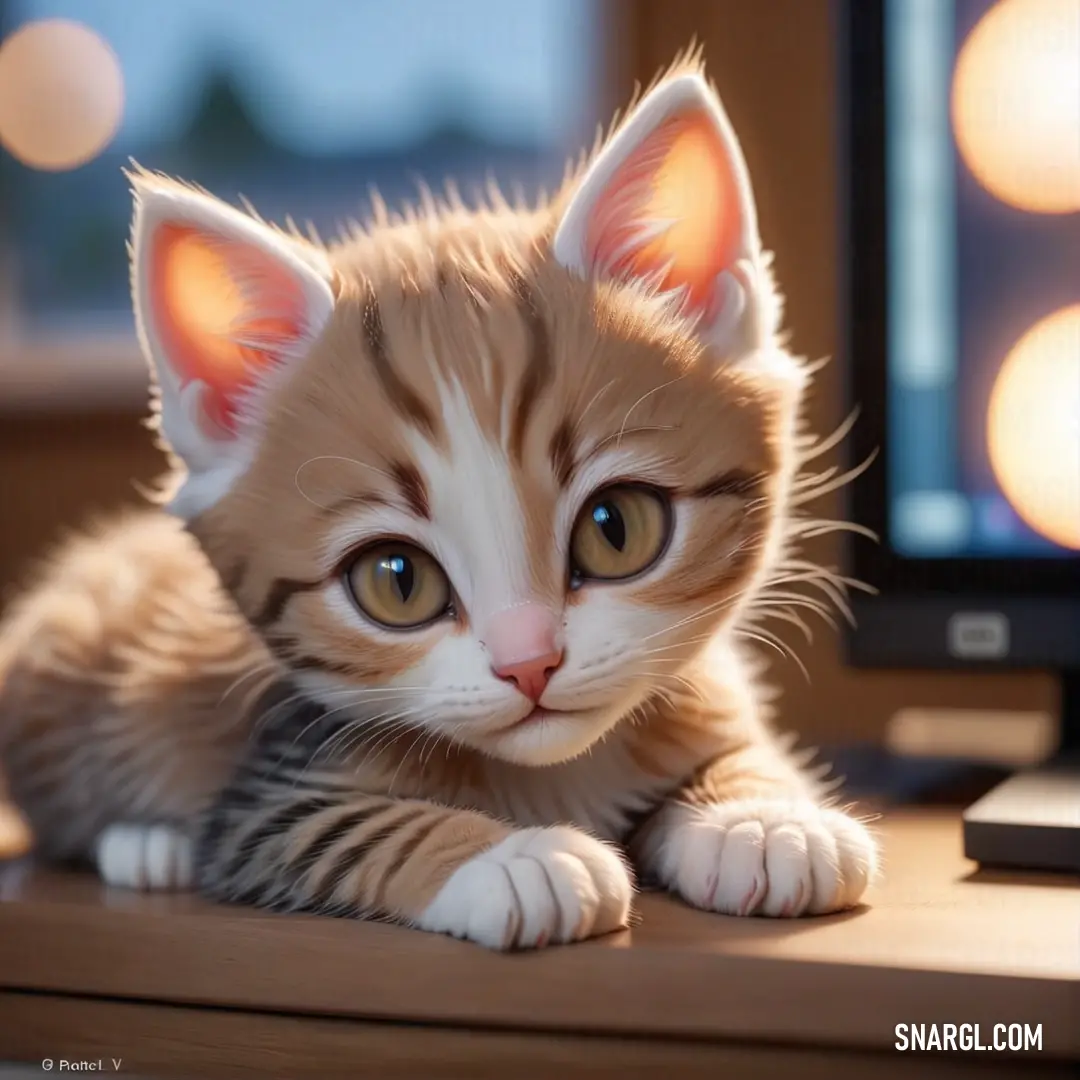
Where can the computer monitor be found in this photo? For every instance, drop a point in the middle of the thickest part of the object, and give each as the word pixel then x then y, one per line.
pixel 963 318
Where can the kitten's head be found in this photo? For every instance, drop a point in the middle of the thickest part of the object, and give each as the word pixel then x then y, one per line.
pixel 495 474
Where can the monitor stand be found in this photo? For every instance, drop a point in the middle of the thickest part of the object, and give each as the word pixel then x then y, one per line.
pixel 1032 820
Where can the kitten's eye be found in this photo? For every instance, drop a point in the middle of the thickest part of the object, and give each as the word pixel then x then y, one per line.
pixel 398 585
pixel 620 532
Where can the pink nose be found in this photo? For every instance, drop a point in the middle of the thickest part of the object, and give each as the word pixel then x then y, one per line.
pixel 523 644
pixel 531 676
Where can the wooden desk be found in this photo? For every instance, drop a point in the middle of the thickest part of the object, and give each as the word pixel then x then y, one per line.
pixel 175 986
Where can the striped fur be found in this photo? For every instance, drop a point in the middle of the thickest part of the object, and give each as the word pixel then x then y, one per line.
pixel 229 713
pixel 334 847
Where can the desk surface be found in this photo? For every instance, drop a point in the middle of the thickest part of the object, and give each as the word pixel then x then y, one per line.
pixel 940 942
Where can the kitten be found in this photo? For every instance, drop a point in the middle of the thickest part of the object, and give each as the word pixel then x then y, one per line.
pixel 480 503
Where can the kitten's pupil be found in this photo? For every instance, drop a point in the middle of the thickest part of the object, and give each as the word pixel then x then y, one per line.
pixel 401 574
pixel 611 524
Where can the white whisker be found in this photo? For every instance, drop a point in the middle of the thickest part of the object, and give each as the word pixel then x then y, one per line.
pixel 333 457
pixel 263 668
pixel 648 394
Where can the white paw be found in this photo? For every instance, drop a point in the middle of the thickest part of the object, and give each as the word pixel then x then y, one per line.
pixel 536 887
pixel 768 857
pixel 148 857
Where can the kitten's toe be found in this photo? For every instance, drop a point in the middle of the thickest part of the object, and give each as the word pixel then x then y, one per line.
pixel 537 887
pixel 763 857
pixel 845 860
pixel 147 857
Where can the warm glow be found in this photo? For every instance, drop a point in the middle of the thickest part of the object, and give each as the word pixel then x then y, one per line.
pixel 223 311
pixel 61 95
pixel 1033 427
pixel 684 181
pixel 204 303
pixel 15 838
pixel 1016 104
pixel 694 189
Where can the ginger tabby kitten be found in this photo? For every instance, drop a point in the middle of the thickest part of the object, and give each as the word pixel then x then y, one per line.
pixel 445 623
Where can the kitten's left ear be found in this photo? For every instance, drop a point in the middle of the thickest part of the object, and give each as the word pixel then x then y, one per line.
pixel 226 308
pixel 668 203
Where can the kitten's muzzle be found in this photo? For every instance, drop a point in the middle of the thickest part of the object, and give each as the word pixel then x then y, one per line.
pixel 525 647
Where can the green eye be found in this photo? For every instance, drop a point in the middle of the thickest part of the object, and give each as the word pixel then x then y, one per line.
pixel 620 532
pixel 397 585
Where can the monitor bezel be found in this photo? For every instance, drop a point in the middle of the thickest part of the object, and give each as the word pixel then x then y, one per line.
pixel 865 318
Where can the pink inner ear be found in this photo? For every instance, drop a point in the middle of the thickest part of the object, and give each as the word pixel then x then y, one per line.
pixel 224 311
pixel 671 213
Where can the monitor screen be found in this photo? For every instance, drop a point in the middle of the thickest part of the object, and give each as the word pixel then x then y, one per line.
pixel 982 235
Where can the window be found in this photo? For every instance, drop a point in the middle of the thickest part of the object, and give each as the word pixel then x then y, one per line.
pixel 299 106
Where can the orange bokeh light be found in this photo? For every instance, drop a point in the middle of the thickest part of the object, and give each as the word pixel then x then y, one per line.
pixel 1016 104
pixel 61 95
pixel 1033 427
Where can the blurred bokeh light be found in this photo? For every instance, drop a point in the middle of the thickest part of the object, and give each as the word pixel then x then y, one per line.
pixel 1033 427
pixel 1016 104
pixel 61 95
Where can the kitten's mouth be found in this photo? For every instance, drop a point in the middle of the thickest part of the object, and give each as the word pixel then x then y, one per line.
pixel 545 736
pixel 538 714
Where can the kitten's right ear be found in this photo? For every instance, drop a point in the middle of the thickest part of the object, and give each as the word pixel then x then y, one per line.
pixel 667 203
pixel 225 307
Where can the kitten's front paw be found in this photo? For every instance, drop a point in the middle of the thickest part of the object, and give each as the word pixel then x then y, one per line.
pixel 148 857
pixel 767 857
pixel 537 887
